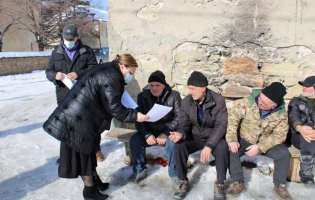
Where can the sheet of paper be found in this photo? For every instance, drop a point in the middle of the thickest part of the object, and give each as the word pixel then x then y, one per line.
pixel 127 101
pixel 157 112
pixel 68 82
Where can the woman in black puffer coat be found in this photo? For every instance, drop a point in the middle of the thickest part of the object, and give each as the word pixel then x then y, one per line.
pixel 85 113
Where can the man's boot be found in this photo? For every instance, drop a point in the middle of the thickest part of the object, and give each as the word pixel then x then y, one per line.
pixel 237 188
pixel 99 184
pixel 180 193
pixel 219 191
pixel 91 193
pixel 136 178
pixel 175 183
pixel 306 166
pixel 282 192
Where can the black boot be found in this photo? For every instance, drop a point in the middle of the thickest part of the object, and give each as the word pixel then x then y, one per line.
pixel 99 184
pixel 306 164
pixel 92 193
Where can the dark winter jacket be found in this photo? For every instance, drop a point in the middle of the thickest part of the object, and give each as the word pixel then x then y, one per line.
pixel 89 107
pixel 83 60
pixel 214 123
pixel 299 112
pixel 167 123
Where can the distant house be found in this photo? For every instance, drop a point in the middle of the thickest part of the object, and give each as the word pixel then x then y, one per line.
pixel 17 41
pixel 23 40
pixel 101 16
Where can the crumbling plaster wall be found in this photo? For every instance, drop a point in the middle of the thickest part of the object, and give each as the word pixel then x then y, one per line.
pixel 238 44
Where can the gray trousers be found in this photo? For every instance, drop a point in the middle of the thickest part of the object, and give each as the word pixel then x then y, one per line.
pixel 279 154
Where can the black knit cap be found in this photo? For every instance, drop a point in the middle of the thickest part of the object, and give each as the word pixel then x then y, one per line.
pixel 197 79
pixel 308 82
pixel 157 76
pixel 275 92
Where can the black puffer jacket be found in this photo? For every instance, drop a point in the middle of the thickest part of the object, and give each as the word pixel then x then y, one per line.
pixel 89 108
pixel 299 112
pixel 83 60
pixel 214 122
pixel 169 122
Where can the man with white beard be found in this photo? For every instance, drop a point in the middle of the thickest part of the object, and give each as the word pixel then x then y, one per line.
pixel 301 112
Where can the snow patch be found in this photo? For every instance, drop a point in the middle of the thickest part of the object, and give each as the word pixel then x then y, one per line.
pixel 24 54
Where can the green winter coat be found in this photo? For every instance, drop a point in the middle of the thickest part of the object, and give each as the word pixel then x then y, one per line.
pixel 244 120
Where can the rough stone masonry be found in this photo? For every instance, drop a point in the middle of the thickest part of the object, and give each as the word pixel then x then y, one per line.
pixel 238 44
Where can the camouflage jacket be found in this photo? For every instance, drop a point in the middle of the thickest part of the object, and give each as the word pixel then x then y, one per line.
pixel 244 121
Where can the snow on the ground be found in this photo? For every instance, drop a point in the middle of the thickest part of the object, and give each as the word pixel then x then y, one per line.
pixel 24 54
pixel 28 156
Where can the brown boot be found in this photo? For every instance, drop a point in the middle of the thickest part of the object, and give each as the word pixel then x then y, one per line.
pixel 183 189
pixel 236 189
pixel 282 192
pixel 99 156
pixel 218 191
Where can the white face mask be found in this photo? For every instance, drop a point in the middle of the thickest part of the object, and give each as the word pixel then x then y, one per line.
pixel 128 78
pixel 69 45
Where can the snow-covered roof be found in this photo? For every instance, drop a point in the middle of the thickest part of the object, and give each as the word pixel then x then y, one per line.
pixel 24 54
pixel 101 15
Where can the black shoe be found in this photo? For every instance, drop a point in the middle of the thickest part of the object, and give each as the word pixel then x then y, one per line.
pixel 306 164
pixel 183 189
pixel 92 193
pixel 99 184
pixel 58 161
pixel 219 192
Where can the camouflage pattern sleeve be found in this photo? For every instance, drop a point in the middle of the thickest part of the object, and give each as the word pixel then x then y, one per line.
pixel 278 135
pixel 235 115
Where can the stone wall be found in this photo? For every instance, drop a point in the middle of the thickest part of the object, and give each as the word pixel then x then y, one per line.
pixel 238 44
pixel 20 65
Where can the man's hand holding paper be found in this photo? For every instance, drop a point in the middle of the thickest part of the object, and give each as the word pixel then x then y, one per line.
pixel 68 82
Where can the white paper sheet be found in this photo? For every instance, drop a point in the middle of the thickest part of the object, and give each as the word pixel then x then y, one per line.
pixel 157 112
pixel 68 82
pixel 127 101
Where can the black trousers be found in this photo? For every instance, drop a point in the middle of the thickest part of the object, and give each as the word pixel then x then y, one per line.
pixel 192 144
pixel 279 154
pixel 306 148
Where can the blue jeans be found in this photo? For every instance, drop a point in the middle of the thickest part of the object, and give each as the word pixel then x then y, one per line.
pixel 137 145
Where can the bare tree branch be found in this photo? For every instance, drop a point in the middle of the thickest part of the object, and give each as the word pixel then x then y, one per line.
pixel 46 19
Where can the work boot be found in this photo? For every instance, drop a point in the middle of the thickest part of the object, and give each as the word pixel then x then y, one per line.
pixel 282 192
pixel 306 166
pixel 136 178
pixel 219 192
pixel 237 188
pixel 175 183
pixel 180 193
pixel 99 156
pixel 99 184
pixel 91 193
